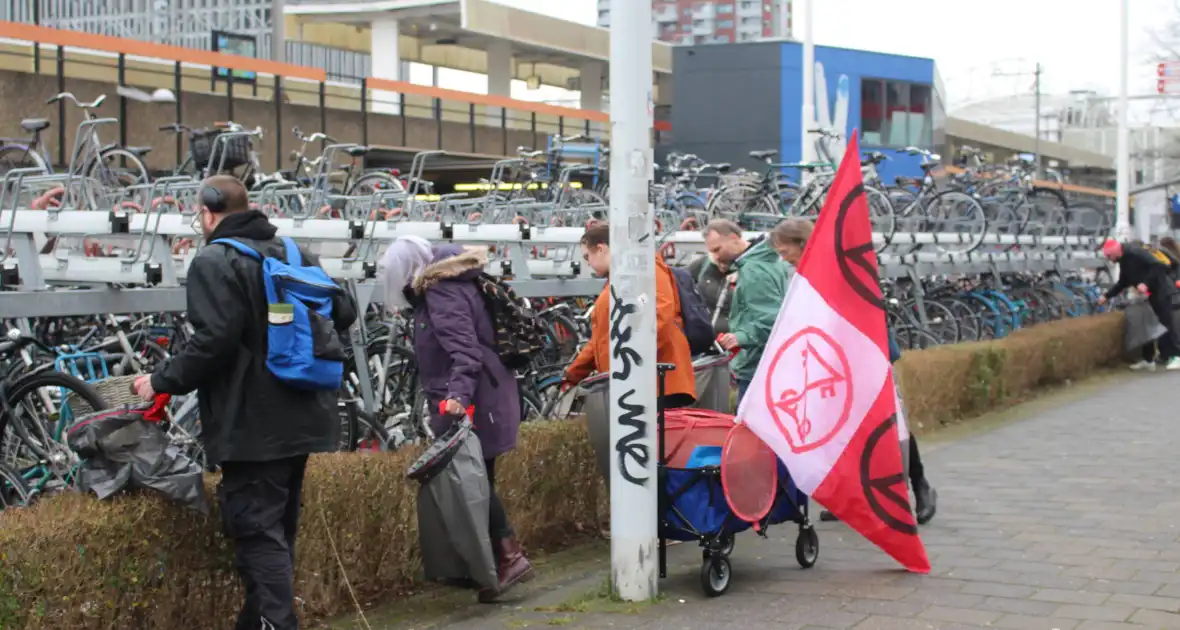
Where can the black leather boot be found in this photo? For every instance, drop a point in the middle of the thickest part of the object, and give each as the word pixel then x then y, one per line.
pixel 926 498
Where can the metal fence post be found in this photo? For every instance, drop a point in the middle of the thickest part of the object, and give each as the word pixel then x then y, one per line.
pixel 471 116
pixel 278 96
pixel 122 108
pixel 365 111
pixel 177 76
pixel 438 122
pixel 323 113
pixel 229 92
pixel 61 106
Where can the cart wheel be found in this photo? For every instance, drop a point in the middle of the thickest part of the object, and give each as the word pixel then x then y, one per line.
pixel 726 543
pixel 807 547
pixel 715 574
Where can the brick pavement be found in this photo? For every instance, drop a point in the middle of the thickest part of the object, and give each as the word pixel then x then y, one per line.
pixel 1066 520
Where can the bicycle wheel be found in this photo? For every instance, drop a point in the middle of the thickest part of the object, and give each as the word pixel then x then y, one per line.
pixel 14 492
pixel 738 199
pixel 960 217
pixel 37 409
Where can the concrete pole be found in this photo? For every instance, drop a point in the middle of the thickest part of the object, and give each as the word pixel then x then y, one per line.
pixel 807 122
pixel 1123 149
pixel 1037 124
pixel 278 31
pixel 633 383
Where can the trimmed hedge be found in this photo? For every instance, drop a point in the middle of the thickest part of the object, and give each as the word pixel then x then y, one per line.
pixel 74 563
pixel 946 384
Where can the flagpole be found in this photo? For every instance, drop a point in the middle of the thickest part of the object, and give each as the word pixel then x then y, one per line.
pixel 1123 147
pixel 633 380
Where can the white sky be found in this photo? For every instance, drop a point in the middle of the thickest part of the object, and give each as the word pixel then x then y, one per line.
pixel 966 44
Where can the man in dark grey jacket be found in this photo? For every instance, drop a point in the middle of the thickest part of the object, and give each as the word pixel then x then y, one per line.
pixel 258 429
pixel 713 280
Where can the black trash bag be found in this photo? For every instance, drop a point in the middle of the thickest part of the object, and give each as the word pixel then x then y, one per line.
pixel 453 503
pixel 121 448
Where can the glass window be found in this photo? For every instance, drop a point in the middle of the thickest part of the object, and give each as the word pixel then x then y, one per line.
pixel 921 118
pixel 871 119
pixel 724 9
pixel 897 113
pixel 725 24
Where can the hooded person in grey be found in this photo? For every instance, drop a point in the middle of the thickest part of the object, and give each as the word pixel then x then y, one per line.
pixel 458 367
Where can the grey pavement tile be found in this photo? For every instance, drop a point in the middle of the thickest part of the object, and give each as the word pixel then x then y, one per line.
pixel 1070 597
pixel 1025 622
pixel 960 615
pixel 1156 618
pixel 1167 604
pixel 1110 612
pixel 1018 606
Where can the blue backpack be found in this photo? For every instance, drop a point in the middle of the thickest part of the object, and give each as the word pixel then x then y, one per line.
pixel 303 348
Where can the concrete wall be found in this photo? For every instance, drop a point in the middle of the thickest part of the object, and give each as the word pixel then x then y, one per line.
pixel 726 102
pixel 25 96
pixel 26 86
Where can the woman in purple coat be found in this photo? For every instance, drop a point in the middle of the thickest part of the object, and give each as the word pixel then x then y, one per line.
pixel 458 368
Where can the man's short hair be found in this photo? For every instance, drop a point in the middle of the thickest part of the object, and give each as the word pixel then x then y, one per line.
pixel 225 194
pixel 596 234
pixel 724 227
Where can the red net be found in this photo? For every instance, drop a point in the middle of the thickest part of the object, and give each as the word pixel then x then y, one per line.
pixel 749 474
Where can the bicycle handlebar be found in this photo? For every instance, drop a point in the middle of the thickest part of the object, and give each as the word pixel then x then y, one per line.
pixel 176 127
pixel 69 96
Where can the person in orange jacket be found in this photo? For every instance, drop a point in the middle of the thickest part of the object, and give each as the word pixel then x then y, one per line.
pixel 672 346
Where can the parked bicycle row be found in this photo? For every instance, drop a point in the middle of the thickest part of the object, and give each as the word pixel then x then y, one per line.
pixel 565 183
pixel 57 369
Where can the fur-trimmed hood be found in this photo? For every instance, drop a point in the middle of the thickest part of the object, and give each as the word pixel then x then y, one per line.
pixel 451 262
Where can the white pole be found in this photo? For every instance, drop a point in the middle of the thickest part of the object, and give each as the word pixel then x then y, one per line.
pixel 633 383
pixel 278 32
pixel 1123 150
pixel 808 120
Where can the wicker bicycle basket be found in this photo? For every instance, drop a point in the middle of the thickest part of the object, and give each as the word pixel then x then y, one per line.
pixel 202 142
pixel 116 391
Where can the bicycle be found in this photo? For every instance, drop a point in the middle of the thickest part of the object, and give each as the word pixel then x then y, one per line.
pixel 91 158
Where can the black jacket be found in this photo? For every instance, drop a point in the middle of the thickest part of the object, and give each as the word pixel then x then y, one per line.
pixel 246 413
pixel 710 283
pixel 1138 266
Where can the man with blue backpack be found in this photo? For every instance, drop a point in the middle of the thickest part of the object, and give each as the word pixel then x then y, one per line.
pixel 267 358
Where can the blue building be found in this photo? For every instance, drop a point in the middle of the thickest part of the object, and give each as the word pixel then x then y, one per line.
pixel 731 99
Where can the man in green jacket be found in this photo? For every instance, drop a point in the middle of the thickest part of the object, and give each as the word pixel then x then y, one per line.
pixel 761 287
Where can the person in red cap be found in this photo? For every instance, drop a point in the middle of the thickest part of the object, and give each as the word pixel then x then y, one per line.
pixel 1138 268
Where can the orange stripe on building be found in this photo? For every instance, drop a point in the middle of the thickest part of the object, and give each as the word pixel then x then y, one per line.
pixel 120 45
pixel 106 43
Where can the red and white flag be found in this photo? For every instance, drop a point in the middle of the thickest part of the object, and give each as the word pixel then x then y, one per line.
pixel 823 396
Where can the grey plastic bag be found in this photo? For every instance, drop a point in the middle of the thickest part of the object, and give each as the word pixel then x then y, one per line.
pixel 713 383
pixel 1140 326
pixel 121 449
pixel 453 505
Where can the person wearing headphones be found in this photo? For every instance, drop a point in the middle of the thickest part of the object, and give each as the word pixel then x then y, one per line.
pixel 258 429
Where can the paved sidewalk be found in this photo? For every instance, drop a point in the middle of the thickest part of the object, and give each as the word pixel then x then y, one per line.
pixel 1066 520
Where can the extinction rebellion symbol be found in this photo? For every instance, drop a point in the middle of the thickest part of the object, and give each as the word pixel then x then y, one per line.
pixel 809 389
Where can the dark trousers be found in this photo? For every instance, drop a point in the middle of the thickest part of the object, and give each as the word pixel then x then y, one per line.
pixel 498 526
pixel 741 393
pixel 1161 305
pixel 917 470
pixel 260 511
